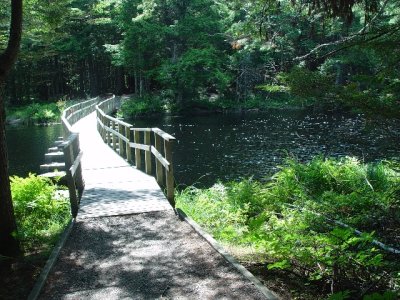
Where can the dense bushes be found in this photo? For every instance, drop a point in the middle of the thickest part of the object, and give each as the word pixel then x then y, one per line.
pixel 37 113
pixel 139 106
pixel 40 217
pixel 305 220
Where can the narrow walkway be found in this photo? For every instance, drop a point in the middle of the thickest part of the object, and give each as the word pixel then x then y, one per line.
pixel 127 242
pixel 112 186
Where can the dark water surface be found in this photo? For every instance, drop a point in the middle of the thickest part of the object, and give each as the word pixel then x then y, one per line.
pixel 27 146
pixel 228 147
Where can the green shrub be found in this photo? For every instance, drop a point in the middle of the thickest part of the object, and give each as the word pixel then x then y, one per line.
pixel 297 220
pixel 225 219
pixel 140 106
pixel 38 112
pixel 40 217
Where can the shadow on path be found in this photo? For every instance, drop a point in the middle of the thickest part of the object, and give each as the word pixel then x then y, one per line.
pixel 145 256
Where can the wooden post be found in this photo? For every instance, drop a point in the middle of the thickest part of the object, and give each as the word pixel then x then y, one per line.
pixel 69 160
pixel 147 141
pixel 138 159
pixel 97 123
pixel 108 134
pixel 128 147
pixel 106 124
pixel 121 143
pixel 102 129
pixel 114 138
pixel 80 183
pixel 159 166
pixel 170 172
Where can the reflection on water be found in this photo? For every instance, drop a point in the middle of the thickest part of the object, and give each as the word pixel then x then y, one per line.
pixel 27 146
pixel 228 147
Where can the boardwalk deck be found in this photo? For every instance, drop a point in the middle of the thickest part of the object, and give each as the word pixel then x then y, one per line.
pixel 112 185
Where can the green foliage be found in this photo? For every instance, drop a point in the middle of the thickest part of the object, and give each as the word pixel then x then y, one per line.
pixel 223 209
pixel 38 113
pixel 197 69
pixel 140 106
pixel 305 218
pixel 40 216
pixel 306 84
pixel 291 52
pixel 388 295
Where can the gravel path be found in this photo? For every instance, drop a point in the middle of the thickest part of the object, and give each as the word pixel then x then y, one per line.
pixel 144 256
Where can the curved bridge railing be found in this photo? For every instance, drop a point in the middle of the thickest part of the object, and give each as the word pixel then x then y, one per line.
pixel 131 142
pixel 72 151
pixel 74 113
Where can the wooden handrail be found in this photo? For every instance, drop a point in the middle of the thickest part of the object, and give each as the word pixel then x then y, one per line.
pixel 128 140
pixel 72 151
pixel 74 113
pixel 73 168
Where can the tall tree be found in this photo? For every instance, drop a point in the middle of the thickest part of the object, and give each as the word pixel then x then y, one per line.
pixel 8 244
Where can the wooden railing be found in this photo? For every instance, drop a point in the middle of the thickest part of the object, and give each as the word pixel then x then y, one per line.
pixel 131 142
pixel 72 151
pixel 74 113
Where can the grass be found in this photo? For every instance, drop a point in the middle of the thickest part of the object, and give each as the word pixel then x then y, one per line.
pixel 295 223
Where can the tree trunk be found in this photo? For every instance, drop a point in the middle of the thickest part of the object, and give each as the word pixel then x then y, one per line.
pixel 9 245
pixel 119 84
pixel 140 84
pixel 136 83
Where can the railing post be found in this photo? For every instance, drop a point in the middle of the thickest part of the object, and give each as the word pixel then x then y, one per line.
pixel 159 166
pixel 138 159
pixel 114 138
pixel 108 134
pixel 99 128
pixel 69 160
pixel 103 129
pixel 147 141
pixel 98 124
pixel 80 184
pixel 121 142
pixel 102 132
pixel 170 172
pixel 128 147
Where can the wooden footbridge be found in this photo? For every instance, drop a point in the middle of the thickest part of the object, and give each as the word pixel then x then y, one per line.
pixel 100 162
pixel 127 242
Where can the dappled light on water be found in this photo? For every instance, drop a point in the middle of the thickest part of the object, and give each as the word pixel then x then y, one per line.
pixel 228 147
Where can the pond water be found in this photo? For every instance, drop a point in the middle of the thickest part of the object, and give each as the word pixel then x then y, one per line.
pixel 27 146
pixel 228 147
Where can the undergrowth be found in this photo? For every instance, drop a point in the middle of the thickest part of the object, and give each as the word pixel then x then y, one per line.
pixel 321 220
pixel 37 113
pixel 138 106
pixel 40 215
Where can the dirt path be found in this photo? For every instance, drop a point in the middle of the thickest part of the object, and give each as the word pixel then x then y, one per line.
pixel 144 256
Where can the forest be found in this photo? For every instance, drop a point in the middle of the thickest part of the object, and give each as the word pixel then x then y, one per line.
pixel 176 55
pixel 322 227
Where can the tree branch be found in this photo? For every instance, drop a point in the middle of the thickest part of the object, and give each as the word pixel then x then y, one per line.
pixel 361 32
pixel 370 39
